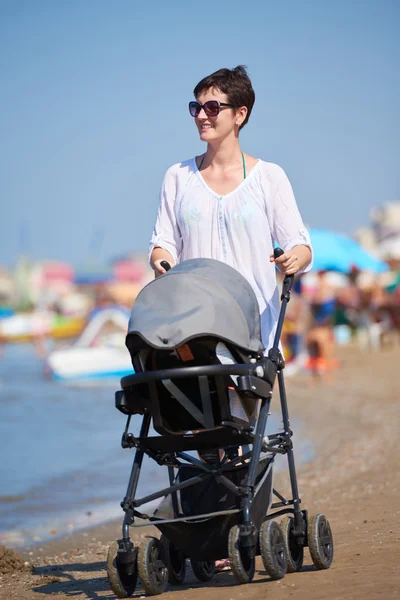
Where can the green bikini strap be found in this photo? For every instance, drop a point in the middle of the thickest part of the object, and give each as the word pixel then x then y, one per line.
pixel 243 161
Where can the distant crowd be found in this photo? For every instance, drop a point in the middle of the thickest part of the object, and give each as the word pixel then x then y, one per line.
pixel 329 309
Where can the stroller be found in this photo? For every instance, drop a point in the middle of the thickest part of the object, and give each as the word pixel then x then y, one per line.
pixel 203 380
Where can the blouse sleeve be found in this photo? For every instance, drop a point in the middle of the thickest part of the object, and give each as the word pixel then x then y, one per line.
pixel 287 227
pixel 166 232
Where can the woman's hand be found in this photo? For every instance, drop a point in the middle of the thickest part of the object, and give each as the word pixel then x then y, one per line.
pixel 292 261
pixel 158 269
pixel 157 256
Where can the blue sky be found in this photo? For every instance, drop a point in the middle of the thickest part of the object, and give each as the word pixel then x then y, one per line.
pixel 93 110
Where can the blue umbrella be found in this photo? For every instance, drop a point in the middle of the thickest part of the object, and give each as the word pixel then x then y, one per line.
pixel 363 259
pixel 337 252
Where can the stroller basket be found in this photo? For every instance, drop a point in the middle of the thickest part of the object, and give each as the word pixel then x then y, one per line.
pixel 207 538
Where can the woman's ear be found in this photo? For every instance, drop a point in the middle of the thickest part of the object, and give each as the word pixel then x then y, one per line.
pixel 241 114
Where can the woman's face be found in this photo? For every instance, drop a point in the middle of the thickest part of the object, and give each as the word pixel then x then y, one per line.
pixel 224 124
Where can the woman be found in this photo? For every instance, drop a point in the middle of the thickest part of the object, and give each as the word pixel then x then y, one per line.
pixel 228 205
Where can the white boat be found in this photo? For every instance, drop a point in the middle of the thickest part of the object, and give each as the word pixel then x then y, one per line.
pixel 98 353
pixel 24 326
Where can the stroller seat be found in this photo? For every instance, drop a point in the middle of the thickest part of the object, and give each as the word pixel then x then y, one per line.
pixel 179 403
pixel 202 314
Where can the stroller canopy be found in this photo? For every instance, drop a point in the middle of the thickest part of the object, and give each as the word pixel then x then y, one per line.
pixel 197 298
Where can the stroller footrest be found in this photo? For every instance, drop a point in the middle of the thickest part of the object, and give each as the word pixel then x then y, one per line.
pixel 216 438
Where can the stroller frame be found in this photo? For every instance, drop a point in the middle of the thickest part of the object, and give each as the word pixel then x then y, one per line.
pixel 256 380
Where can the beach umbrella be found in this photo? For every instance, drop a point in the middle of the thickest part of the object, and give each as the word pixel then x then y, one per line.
pixel 362 259
pixel 338 252
pixel 128 270
pixel 329 252
pixel 56 271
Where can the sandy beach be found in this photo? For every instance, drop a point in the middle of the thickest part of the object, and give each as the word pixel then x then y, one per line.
pixel 354 480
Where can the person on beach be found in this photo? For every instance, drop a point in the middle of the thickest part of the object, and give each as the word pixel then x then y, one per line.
pixel 228 205
pixel 320 338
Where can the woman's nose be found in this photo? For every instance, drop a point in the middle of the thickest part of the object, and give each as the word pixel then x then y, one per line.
pixel 202 115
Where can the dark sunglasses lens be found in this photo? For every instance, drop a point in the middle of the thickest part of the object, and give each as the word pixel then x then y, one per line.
pixel 211 108
pixel 194 108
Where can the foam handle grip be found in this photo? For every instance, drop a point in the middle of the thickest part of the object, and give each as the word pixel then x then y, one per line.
pixel 165 265
pixel 278 252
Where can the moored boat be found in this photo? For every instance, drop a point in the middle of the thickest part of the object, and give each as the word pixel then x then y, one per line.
pixel 98 353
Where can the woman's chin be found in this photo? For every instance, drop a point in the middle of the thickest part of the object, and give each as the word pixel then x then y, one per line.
pixel 206 135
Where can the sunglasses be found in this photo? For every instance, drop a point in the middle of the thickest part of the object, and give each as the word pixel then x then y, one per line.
pixel 211 107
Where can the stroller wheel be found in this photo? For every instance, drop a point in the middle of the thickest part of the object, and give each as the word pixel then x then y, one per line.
pixel 122 576
pixel 320 541
pixel 203 569
pixel 243 566
pixel 176 562
pixel 152 566
pixel 272 546
pixel 294 552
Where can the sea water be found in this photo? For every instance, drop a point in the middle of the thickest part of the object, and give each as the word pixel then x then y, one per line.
pixel 62 467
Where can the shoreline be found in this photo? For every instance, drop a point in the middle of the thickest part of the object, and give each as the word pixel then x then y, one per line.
pixel 354 480
pixel 100 530
pixel 71 520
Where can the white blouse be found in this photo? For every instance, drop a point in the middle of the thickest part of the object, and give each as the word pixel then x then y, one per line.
pixel 238 228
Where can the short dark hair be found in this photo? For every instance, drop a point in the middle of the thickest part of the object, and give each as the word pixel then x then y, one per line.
pixel 235 83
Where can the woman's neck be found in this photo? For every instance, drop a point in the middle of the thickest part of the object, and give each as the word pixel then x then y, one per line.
pixel 223 154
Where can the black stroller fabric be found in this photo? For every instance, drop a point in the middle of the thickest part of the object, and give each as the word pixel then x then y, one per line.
pixel 197 298
pixel 207 539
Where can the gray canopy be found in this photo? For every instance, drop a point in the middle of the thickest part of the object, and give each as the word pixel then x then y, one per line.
pixel 197 298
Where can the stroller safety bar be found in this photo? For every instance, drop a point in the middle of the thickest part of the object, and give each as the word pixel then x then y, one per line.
pixel 257 370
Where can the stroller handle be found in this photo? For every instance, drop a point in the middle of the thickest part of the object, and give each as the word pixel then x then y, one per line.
pixel 278 252
pixel 285 298
pixel 288 281
pixel 165 265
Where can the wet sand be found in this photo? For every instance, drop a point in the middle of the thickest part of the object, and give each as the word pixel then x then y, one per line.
pixel 354 480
